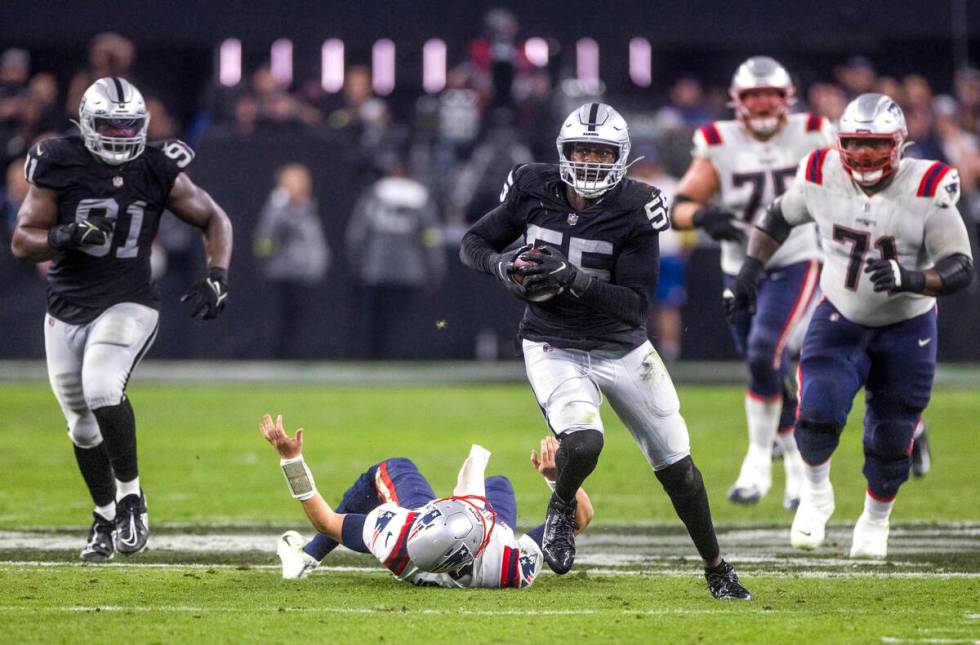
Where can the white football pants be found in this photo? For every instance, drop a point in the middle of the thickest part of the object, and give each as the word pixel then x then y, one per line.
pixel 569 385
pixel 89 365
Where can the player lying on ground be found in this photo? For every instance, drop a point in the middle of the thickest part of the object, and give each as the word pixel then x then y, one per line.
pixel 93 208
pixel 466 540
pixel 893 241
pixel 586 282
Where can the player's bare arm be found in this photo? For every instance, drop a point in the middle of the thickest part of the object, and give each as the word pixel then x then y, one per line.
pixel 698 185
pixel 194 205
pixel 299 477
pixel 546 465
pixel 37 215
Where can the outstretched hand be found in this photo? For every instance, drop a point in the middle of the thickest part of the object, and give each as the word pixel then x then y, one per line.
pixel 287 447
pixel 545 464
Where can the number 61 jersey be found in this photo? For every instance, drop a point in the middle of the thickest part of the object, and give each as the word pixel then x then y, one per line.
pixel 84 282
pixel 912 220
pixel 751 173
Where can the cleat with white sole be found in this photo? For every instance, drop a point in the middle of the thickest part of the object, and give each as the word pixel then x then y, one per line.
pixel 870 538
pixel 810 523
pixel 296 563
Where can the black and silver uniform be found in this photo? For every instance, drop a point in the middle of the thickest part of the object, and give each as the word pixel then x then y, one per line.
pixel 83 282
pixel 614 239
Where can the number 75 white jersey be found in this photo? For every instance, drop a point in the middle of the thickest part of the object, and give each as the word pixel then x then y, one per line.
pixel 913 220
pixel 751 173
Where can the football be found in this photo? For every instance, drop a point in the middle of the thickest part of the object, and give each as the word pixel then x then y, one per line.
pixel 541 293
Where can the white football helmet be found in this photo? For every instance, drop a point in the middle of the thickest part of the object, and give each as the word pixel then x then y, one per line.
pixel 450 533
pixel 113 120
pixel 593 123
pixel 872 118
pixel 761 72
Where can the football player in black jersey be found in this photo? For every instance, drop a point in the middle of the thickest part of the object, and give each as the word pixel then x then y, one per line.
pixel 93 208
pixel 595 259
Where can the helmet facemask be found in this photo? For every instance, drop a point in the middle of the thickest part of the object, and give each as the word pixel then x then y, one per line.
pixel 870 163
pixel 590 179
pixel 766 120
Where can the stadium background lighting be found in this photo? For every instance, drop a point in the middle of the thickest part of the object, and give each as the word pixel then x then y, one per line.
pixel 332 65
pixel 383 67
pixel 641 65
pixel 434 65
pixel 587 63
pixel 230 62
pixel 536 51
pixel 281 61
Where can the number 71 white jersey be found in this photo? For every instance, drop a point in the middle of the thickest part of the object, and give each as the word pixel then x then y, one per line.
pixel 751 173
pixel 913 220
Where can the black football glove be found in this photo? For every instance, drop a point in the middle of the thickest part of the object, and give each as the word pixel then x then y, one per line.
pixel 742 295
pixel 552 268
pixel 93 231
pixel 209 294
pixel 718 224
pixel 503 269
pixel 890 276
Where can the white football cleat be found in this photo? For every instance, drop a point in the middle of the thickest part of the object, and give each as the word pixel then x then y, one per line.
pixel 870 538
pixel 810 523
pixel 754 480
pixel 296 563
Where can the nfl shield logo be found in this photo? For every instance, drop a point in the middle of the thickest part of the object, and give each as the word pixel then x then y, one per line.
pixel 117 182
pixel 572 219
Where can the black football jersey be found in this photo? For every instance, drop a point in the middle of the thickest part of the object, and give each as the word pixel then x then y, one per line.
pixel 629 216
pixel 85 281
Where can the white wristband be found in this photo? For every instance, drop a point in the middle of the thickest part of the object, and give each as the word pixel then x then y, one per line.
pixel 298 478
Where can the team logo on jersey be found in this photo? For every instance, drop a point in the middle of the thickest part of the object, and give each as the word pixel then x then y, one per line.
pixel 572 219
pixel 381 522
pixel 117 182
pixel 529 565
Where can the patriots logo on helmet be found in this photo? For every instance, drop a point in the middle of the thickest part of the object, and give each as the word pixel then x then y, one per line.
pixel 431 515
pixel 458 558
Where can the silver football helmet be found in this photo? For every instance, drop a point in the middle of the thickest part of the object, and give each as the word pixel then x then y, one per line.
pixel 593 123
pixel 113 120
pixel 449 534
pixel 761 72
pixel 876 121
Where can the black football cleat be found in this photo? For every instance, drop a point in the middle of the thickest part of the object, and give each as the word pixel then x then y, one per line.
pixel 723 583
pixel 921 455
pixel 132 530
pixel 99 547
pixel 558 543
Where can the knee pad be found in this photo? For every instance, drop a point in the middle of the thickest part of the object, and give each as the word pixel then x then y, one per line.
pixel 103 388
pixel 817 440
pixel 764 378
pixel 84 432
pixel 887 460
pixel 680 478
pixel 822 401
pixel 573 405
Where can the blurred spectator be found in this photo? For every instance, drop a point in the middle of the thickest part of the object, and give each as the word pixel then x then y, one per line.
pixel 356 92
pixel 959 146
pixel 276 107
pixel 477 185
pixel 42 90
pixel 918 93
pixel 497 57
pixel 162 124
pixel 967 84
pixel 109 54
pixel 290 244
pixel 827 99
pixel 856 76
pixel 664 323
pixel 924 144
pixel 394 246
pixel 889 86
pixel 14 192
pixel 677 121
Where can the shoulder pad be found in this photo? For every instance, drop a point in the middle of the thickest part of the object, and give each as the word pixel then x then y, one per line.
pixel 648 200
pixel 814 165
pixel 933 177
pixel 528 178
pixel 814 122
pixel 53 163
pixel 711 134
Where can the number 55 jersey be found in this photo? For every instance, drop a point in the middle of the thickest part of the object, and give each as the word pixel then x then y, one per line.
pixel 85 281
pixel 751 173
pixel 913 220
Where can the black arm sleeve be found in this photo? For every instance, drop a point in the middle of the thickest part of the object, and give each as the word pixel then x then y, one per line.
pixel 636 272
pixel 773 224
pixel 488 236
pixel 956 272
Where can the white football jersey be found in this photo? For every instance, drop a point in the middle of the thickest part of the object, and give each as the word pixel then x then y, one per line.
pixel 505 562
pixel 913 220
pixel 752 173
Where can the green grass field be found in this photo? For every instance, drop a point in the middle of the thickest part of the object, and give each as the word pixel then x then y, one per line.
pixel 217 501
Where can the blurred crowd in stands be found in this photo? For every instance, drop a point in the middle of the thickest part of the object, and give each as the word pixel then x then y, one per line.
pixel 438 160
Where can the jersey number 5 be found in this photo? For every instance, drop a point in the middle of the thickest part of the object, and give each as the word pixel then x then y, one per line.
pixel 110 210
pixel 859 241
